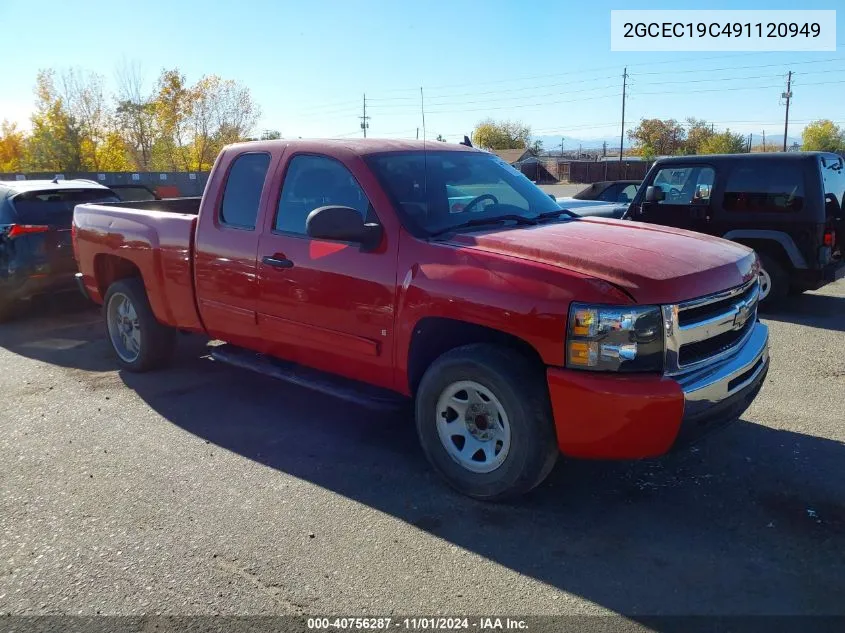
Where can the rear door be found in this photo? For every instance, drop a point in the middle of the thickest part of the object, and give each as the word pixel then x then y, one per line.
pixel 226 244
pixel 688 190
pixel 40 238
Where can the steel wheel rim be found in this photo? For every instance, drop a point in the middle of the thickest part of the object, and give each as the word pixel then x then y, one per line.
pixel 124 330
pixel 765 284
pixel 473 426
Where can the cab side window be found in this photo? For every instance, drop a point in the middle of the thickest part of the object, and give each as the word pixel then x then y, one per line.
pixel 765 188
pixel 242 192
pixel 685 185
pixel 312 182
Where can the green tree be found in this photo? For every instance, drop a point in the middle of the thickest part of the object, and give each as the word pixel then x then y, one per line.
pixel 135 116
pixel 56 139
pixel 658 137
pixel 726 142
pixel 270 135
pixel 490 134
pixel 698 132
pixel 823 136
pixel 12 147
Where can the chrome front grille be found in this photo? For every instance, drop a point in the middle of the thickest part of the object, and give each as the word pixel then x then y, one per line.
pixel 707 329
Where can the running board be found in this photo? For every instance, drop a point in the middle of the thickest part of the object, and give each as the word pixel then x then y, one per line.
pixel 329 384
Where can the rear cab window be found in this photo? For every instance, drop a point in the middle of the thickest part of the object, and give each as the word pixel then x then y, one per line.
pixel 242 192
pixel 777 187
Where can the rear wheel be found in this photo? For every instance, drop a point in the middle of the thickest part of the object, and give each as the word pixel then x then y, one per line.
pixel 774 281
pixel 484 422
pixel 139 341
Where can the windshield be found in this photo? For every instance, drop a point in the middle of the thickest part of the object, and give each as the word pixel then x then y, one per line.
pixel 435 191
pixel 55 206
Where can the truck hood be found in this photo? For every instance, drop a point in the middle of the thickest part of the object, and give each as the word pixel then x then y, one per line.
pixel 653 264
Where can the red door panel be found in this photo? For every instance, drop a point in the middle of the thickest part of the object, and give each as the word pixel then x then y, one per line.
pixel 326 304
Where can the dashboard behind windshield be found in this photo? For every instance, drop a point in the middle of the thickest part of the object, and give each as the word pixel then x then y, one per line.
pixel 434 191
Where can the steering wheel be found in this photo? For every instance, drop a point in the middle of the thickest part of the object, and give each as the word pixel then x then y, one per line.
pixel 674 194
pixel 483 196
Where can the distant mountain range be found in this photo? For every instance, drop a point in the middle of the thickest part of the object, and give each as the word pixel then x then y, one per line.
pixel 551 143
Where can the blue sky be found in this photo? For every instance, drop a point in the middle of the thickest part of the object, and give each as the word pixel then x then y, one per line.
pixel 308 64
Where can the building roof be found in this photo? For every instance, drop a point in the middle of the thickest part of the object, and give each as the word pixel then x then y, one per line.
pixel 511 155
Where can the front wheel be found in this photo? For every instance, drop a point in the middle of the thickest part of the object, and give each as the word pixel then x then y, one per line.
pixel 484 422
pixel 774 281
pixel 139 341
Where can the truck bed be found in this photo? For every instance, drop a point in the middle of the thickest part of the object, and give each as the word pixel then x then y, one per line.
pixel 155 237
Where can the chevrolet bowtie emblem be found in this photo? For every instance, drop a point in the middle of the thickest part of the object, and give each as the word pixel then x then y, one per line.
pixel 742 315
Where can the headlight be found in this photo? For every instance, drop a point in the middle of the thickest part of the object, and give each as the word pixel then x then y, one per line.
pixel 614 338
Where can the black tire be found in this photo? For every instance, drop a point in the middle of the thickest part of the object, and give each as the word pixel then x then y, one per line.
pixel 520 387
pixel 779 281
pixel 157 340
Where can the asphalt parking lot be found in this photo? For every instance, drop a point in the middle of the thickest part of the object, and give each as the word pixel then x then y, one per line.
pixel 204 489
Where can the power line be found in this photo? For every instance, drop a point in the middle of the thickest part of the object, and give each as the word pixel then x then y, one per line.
pixel 338 107
pixel 581 71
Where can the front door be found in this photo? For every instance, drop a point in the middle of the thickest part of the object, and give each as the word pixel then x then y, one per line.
pixel 325 304
pixel 686 205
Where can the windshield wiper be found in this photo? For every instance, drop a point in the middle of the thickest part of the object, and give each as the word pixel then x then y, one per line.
pixel 499 219
pixel 548 215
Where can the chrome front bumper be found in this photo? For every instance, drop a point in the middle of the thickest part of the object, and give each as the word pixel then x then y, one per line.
pixel 722 391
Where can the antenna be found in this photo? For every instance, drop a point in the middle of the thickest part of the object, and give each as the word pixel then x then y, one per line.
pixel 422 108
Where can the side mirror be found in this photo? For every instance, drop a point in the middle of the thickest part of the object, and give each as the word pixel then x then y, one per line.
pixel 654 194
pixel 342 224
pixel 552 196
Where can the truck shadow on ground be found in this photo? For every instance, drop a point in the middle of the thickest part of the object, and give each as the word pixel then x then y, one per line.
pixel 751 520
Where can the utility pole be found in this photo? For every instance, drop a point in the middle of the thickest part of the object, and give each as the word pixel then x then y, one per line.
pixel 561 147
pixel 750 140
pixel 764 140
pixel 622 135
pixel 365 119
pixel 787 95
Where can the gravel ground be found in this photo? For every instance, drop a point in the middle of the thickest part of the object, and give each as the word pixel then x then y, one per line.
pixel 204 489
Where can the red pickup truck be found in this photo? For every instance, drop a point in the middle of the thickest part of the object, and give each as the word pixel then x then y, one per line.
pixel 375 270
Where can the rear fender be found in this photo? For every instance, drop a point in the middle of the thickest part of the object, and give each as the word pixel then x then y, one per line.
pixel 786 242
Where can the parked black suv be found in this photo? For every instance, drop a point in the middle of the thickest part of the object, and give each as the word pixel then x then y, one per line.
pixel 36 254
pixel 787 206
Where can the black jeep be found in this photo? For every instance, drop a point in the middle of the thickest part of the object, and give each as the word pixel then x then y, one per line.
pixel 787 206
